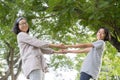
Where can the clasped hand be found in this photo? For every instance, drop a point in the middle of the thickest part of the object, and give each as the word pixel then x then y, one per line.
pixel 63 49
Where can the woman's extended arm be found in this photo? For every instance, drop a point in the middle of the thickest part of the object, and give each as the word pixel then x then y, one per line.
pixel 86 45
pixel 57 46
pixel 25 38
pixel 86 50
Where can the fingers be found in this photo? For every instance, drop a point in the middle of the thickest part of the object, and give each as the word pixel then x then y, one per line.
pixel 64 51
pixel 62 46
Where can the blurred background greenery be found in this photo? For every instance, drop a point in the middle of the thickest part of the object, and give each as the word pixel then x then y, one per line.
pixel 61 21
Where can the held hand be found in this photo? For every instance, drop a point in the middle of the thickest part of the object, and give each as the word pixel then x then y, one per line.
pixel 62 46
pixel 64 51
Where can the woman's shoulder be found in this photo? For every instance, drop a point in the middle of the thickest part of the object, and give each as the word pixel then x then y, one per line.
pixel 22 34
pixel 99 41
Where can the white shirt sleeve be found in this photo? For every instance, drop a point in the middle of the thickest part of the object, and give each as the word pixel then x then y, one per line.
pixel 98 44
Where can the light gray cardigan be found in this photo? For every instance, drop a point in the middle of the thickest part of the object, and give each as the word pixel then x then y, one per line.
pixel 31 52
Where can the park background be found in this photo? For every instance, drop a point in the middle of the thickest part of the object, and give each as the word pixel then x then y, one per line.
pixel 61 21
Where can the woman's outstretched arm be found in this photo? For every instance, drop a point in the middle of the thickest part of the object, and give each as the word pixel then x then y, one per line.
pixel 85 50
pixel 61 46
pixel 85 45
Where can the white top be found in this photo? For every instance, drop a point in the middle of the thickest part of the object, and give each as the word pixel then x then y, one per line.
pixel 31 52
pixel 93 61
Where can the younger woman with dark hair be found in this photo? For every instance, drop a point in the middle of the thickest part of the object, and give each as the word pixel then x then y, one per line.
pixel 32 50
pixel 93 61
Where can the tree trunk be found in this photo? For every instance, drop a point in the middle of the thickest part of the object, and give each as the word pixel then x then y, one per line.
pixel 11 67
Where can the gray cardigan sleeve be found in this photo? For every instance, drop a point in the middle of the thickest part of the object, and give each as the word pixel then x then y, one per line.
pixel 47 50
pixel 23 37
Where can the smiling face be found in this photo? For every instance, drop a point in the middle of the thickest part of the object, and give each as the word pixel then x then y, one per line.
pixel 101 34
pixel 23 25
